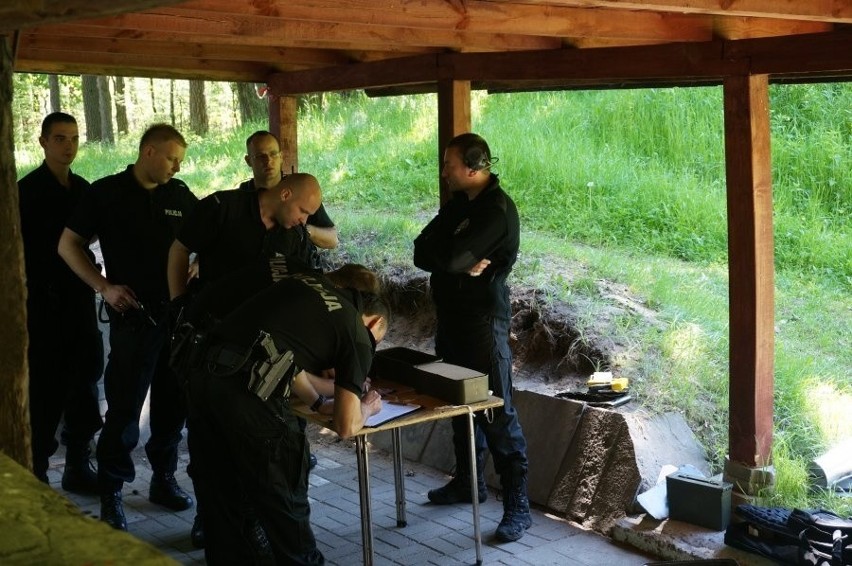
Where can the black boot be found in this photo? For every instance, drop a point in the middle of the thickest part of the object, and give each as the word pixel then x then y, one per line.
pixel 196 535
pixel 516 506
pixel 79 476
pixel 457 490
pixel 112 510
pixel 165 491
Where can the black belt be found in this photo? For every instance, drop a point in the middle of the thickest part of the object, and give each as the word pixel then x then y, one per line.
pixel 268 373
pixel 228 359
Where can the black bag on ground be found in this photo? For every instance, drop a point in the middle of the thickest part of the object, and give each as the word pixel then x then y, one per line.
pixel 808 538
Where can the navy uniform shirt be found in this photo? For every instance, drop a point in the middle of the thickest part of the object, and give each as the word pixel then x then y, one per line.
pixel 463 233
pixel 45 205
pixel 135 227
pixel 320 323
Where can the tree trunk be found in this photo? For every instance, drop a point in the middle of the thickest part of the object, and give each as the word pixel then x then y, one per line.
pixel 14 370
pixel 92 108
pixel 198 122
pixel 252 107
pixel 105 104
pixel 120 107
pixel 172 102
pixel 153 96
pixel 55 96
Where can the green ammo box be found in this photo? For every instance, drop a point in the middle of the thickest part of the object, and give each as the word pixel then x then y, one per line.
pixel 427 374
pixel 699 501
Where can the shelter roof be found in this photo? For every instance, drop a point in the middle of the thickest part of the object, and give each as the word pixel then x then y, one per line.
pixel 497 44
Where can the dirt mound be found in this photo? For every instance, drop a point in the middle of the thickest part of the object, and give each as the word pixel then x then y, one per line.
pixel 550 353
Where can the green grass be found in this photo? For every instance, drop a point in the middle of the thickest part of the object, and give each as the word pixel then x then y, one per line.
pixel 622 186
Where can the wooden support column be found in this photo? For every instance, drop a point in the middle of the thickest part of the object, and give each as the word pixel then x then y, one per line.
pixel 453 119
pixel 751 269
pixel 282 123
pixel 14 380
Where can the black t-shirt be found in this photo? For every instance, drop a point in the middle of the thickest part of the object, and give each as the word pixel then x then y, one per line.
pixel 307 314
pixel 464 232
pixel 320 218
pixel 135 227
pixel 227 232
pixel 45 205
pixel 221 297
pixel 307 251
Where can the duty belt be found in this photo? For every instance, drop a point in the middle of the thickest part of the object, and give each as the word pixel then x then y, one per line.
pixel 266 365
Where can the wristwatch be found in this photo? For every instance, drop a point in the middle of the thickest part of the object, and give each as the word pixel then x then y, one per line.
pixel 318 403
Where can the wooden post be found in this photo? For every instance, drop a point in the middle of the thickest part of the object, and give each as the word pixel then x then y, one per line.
pixel 453 119
pixel 751 269
pixel 14 378
pixel 282 123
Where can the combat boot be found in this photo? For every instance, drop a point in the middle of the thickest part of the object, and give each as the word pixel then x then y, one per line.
pixel 196 534
pixel 79 476
pixel 112 510
pixel 516 508
pixel 457 490
pixel 165 491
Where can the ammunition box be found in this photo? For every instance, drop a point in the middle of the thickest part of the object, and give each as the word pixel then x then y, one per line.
pixel 427 374
pixel 699 501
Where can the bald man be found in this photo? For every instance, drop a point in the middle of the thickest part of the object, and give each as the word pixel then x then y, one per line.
pixel 229 229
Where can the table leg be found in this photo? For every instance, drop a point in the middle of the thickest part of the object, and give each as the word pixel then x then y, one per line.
pixel 399 478
pixel 474 490
pixel 364 491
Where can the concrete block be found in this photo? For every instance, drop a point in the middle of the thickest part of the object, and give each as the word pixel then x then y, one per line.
pixel 549 424
pixel 414 438
pixel 598 477
pixel 438 452
pixel 664 439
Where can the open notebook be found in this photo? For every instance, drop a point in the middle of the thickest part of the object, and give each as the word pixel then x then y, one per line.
pixel 389 412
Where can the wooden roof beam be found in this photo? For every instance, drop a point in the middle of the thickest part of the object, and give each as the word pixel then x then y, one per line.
pixel 477 16
pixel 697 63
pixel 320 34
pixel 184 47
pixel 402 71
pixel 42 61
pixel 18 14
pixel 317 55
pixel 836 11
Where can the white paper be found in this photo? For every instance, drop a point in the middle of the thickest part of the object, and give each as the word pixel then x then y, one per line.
pixel 389 412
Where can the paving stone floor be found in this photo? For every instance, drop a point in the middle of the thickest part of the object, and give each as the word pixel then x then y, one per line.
pixel 434 535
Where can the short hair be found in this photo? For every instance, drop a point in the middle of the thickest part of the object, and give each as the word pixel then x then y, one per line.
pixel 159 133
pixel 260 134
pixel 474 150
pixel 355 276
pixel 376 304
pixel 298 183
pixel 55 118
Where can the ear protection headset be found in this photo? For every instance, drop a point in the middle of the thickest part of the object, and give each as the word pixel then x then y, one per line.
pixel 476 157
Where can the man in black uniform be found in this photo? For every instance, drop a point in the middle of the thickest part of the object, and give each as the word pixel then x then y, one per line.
pixel 263 155
pixel 470 248
pixel 65 349
pixel 136 214
pixel 229 229
pixel 254 447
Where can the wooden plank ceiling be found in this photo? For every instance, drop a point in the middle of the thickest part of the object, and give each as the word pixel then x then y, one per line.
pixel 252 40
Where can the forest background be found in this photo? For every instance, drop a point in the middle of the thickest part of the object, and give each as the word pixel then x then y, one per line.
pixel 623 186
